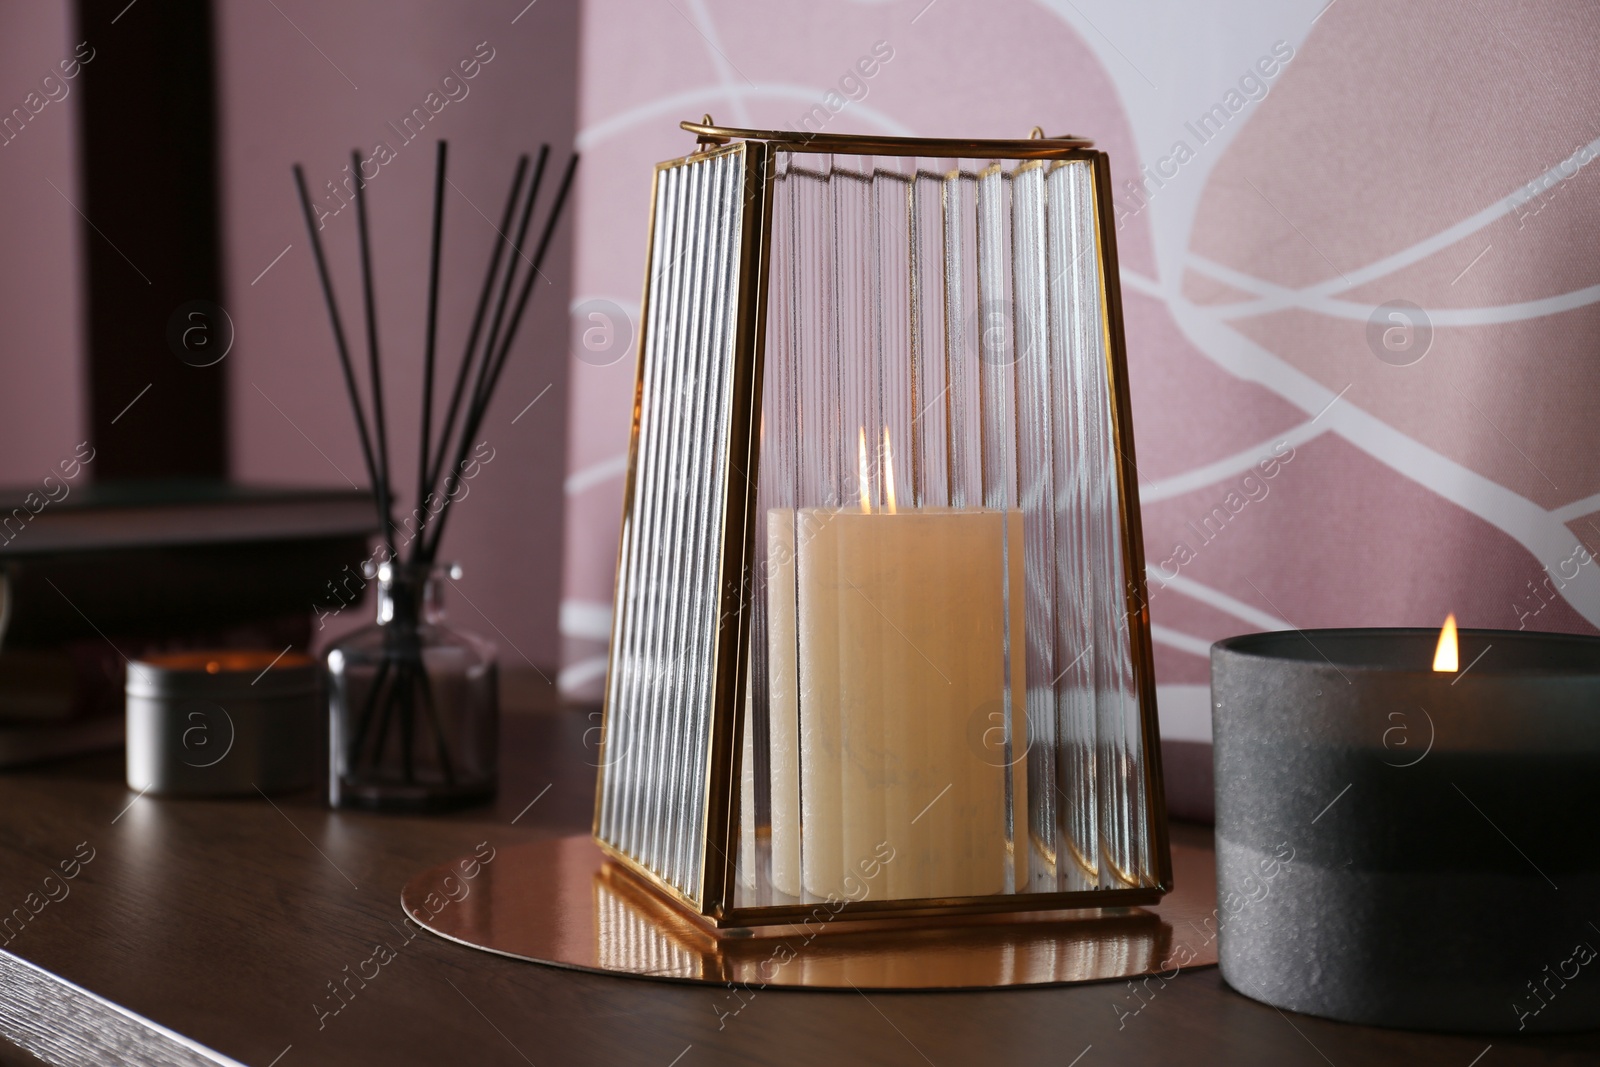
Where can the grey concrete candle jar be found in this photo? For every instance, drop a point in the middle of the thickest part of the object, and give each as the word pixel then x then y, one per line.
pixel 1405 847
pixel 224 723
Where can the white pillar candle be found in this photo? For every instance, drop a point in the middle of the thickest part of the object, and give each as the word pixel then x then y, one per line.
pixel 894 641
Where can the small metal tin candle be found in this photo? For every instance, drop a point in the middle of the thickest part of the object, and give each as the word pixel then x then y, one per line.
pixel 223 723
pixel 1406 846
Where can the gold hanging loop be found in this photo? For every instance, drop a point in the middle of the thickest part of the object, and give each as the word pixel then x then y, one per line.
pixel 705 142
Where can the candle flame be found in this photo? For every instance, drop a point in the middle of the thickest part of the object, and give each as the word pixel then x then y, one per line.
pixel 888 469
pixel 1446 657
pixel 861 462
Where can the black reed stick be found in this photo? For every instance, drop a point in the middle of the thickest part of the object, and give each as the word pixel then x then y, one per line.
pixel 384 716
pixel 527 284
pixel 441 746
pixel 428 345
pixel 338 332
pixel 375 369
pixel 401 692
pixel 481 400
pixel 365 721
pixel 407 697
pixel 453 408
pixel 491 344
pixel 504 299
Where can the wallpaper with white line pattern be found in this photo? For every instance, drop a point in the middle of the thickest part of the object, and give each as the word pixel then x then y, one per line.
pixel 1357 238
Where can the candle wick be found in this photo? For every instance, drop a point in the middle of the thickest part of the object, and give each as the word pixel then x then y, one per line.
pixel 888 470
pixel 861 464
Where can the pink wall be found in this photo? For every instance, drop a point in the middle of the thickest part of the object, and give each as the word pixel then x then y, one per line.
pixel 307 82
pixel 1398 153
pixel 1367 152
pixel 43 405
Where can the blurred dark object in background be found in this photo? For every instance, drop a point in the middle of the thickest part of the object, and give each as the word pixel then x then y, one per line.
pixel 163 213
pixel 125 570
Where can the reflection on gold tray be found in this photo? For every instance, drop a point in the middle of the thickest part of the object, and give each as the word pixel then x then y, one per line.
pixel 561 902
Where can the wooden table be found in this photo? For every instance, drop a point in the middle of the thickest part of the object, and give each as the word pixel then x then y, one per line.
pixel 225 921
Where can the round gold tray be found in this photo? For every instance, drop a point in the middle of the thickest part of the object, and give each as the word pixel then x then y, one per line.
pixel 560 902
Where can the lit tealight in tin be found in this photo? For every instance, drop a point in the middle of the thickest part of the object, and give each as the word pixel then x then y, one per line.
pixel 223 723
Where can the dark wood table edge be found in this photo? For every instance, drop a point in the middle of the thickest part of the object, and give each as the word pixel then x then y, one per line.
pixel 60 1022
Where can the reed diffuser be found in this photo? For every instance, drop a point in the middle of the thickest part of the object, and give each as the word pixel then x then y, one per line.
pixel 413 700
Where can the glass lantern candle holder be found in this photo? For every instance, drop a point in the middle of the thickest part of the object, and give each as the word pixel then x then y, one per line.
pixel 881 643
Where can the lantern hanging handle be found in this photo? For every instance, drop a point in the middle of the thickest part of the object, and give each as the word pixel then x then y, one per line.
pixel 706 140
pixel 709 136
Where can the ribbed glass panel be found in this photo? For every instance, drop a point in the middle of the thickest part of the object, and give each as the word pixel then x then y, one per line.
pixel 661 684
pixel 631 940
pixel 942 700
pixel 1076 350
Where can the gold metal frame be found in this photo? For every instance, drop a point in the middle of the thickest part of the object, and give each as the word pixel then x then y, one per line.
pixel 720 834
pixel 1037 146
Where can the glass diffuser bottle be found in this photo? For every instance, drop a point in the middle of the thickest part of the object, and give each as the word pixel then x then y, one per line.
pixel 413 703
